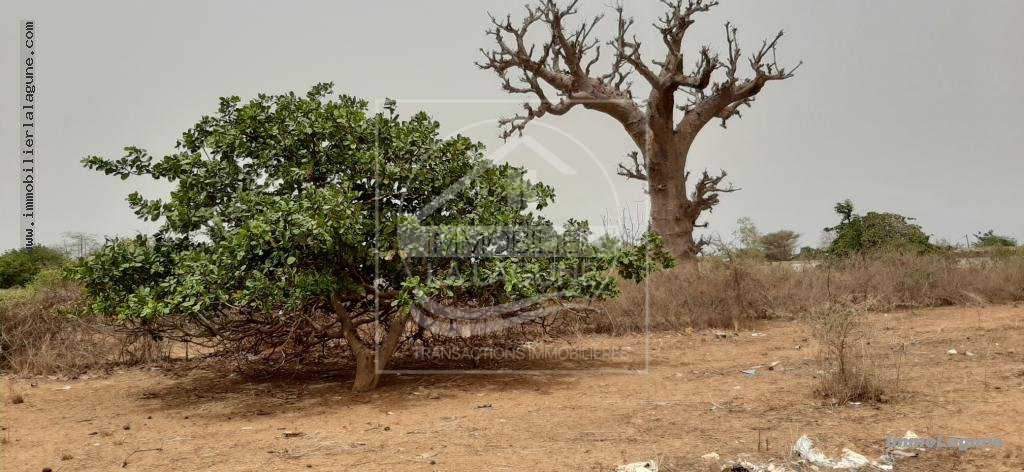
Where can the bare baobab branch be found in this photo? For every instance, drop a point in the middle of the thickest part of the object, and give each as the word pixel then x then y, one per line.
pixel 562 64
pixel 729 95
pixel 637 171
pixel 706 192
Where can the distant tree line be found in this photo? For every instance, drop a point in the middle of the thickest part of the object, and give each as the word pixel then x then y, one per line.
pixel 19 267
pixel 854 234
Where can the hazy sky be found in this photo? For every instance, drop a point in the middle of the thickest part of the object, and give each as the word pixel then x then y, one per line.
pixel 910 106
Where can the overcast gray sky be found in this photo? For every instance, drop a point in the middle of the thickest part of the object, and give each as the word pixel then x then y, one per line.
pixel 911 106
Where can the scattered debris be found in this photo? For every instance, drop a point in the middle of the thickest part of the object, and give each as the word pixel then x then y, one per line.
pixel 951 352
pixel 909 435
pixel 646 466
pixel 711 457
pixel 744 466
pixel 124 463
pixel 804 448
pixel 902 454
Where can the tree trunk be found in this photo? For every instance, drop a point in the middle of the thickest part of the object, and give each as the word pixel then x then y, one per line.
pixel 676 232
pixel 371 358
pixel 671 215
pixel 366 371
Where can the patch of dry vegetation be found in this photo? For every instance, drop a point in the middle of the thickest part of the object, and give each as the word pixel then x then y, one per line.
pixel 729 294
pixel 849 370
pixel 43 332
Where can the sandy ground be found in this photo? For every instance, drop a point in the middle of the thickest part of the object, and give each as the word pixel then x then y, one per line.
pixel 693 401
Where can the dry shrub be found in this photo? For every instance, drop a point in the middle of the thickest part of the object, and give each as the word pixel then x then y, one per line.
pixel 713 294
pixel 43 332
pixel 720 294
pixel 847 370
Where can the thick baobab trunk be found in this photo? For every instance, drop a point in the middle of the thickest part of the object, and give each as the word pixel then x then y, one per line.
pixel 676 231
pixel 671 209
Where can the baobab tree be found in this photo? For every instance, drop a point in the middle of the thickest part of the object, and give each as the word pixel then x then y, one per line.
pixel 560 75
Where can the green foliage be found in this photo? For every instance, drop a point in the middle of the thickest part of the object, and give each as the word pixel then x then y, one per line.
pixel 875 231
pixel 19 267
pixel 990 239
pixel 286 202
pixel 747 240
pixel 780 245
pixel 808 253
pixel 747 235
pixel 637 261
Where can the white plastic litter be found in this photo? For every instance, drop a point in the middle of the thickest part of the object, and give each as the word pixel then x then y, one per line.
pixel 850 460
pixel 646 466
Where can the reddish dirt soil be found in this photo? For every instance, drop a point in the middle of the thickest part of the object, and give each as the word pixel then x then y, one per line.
pixel 693 400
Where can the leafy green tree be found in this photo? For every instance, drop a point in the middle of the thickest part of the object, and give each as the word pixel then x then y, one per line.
pixel 875 231
pixel 747 240
pixel 780 245
pixel 302 219
pixel 990 239
pixel 19 267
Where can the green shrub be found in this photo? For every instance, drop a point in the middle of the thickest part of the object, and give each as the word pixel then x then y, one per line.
pixel 875 232
pixel 19 267
pixel 990 239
